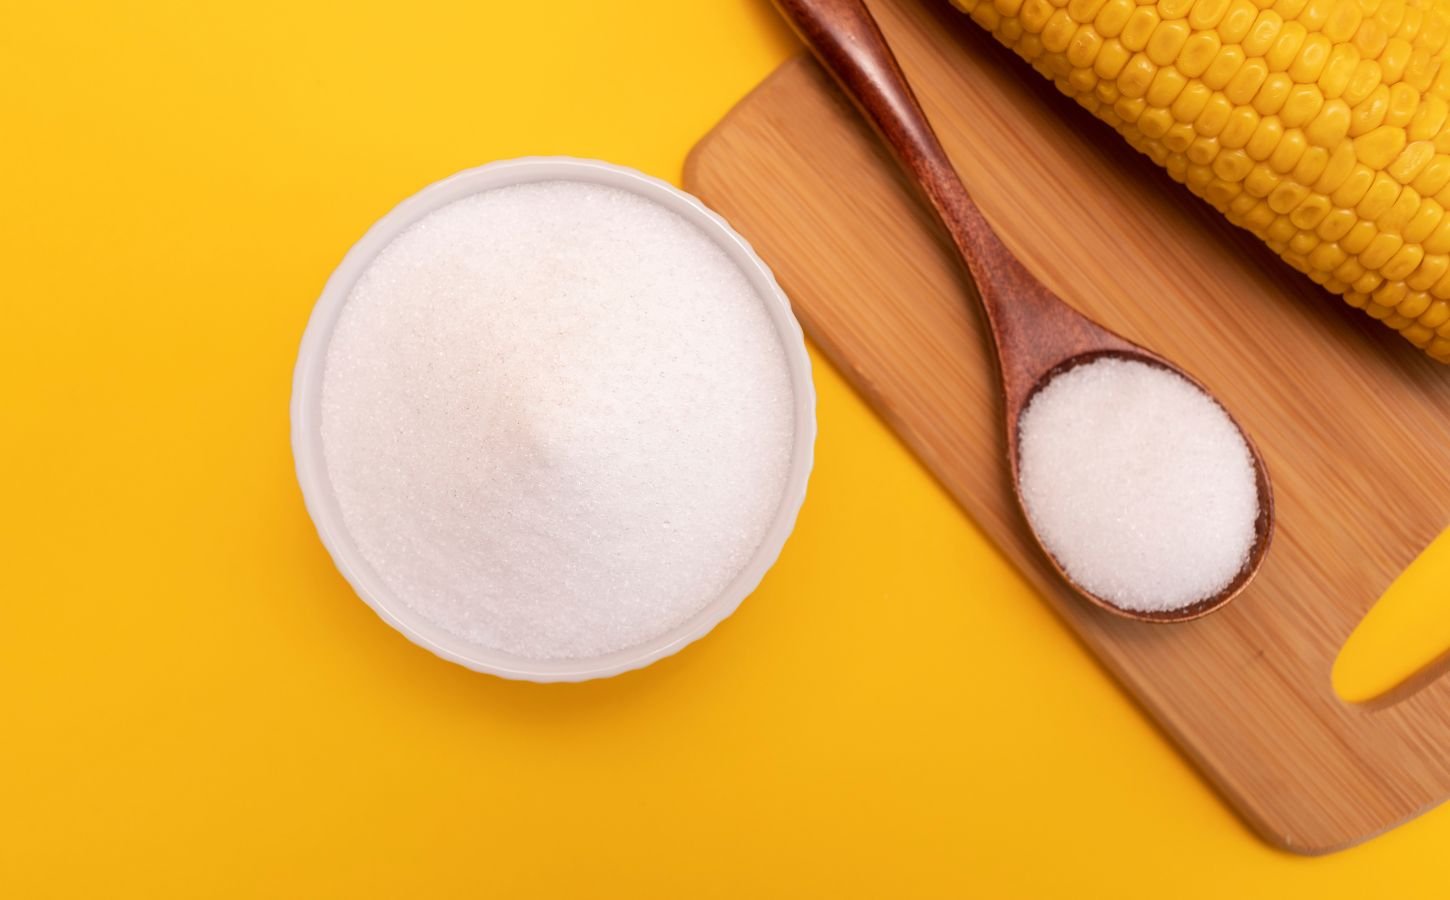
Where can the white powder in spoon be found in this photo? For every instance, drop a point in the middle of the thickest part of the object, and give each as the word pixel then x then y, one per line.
pixel 1138 484
pixel 557 417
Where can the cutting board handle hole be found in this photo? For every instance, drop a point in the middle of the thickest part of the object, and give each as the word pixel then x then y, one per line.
pixel 1403 643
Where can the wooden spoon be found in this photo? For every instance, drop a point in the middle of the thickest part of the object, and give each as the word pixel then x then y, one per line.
pixel 1037 335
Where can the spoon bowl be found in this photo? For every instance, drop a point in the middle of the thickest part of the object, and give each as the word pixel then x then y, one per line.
pixel 1263 522
pixel 1037 336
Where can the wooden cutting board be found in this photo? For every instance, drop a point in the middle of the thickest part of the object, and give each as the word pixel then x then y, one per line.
pixel 1354 424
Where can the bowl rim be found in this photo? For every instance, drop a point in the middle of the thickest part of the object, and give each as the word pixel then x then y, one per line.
pixel 320 500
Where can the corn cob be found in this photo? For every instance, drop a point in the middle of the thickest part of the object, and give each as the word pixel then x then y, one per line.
pixel 1319 125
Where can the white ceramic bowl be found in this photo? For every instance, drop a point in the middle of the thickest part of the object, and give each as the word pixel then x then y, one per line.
pixel 307 405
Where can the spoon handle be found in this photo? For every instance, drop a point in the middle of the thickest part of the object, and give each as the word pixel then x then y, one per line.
pixel 1030 326
pixel 846 39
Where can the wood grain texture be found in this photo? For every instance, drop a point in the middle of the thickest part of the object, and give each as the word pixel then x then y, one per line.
pixel 1355 427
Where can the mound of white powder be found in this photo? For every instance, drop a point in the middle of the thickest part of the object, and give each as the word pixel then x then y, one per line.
pixel 558 419
pixel 1138 483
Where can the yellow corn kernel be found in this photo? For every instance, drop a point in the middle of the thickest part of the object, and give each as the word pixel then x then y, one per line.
pixel 1366 78
pixel 1179 137
pixel 1083 11
pixel 1035 14
pixel 1370 113
pixel 1273 94
pixel 1343 22
pixel 1330 126
pixel 1243 205
pixel 1381 195
pixel 1233 165
pixel 1246 82
pixel 1155 122
pixel 1434 177
pixel 1314 163
pixel 1316 13
pixel 1197 177
pixel 1202 151
pixel 1258 218
pixel 1310 211
pixel 1423 221
pixel 1206 14
pixel 1430 270
pixel 1303 104
pixel 1338 69
pixel 1439 239
pixel 1173 9
pixel 1240 127
pixel 1286 197
pixel 1289 9
pixel 1421 70
pixel 1136 76
pixel 1164 89
pixel 1302 243
pixel 1390 14
pixel 1129 108
pixel 1141 25
pixel 1369 282
pixel 1394 59
pixel 1370 39
pixel 1379 251
pixel 1411 161
pixel 1334 226
pixel 986 15
pixel 1267 134
pixel 1349 271
pixel 1404 100
pixel 1083 49
pixel 1311 59
pixel 1354 188
pixel 1190 102
pixel 1403 263
pixel 1113 16
pixel 1436 316
pixel 1281 230
pixel 1262 33
pixel 1287 154
pixel 1220 192
pixel 1354 241
pixel 1428 120
pixel 1176 165
pixel 1214 116
pixel 1399 214
pixel 1389 294
pixel 1417 301
pixel 1166 42
pixel 1285 48
pixel 1029 47
pixel 1225 63
pixel 1327 257
pixel 1260 181
pixel 1058 32
pixel 1376 148
pixel 1236 21
pixel 1110 62
pixel 1418 335
pixel 1198 53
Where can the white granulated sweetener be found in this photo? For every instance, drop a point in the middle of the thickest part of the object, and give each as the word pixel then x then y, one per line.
pixel 1138 484
pixel 558 419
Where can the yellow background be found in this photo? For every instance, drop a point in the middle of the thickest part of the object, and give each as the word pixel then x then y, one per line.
pixel 194 703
